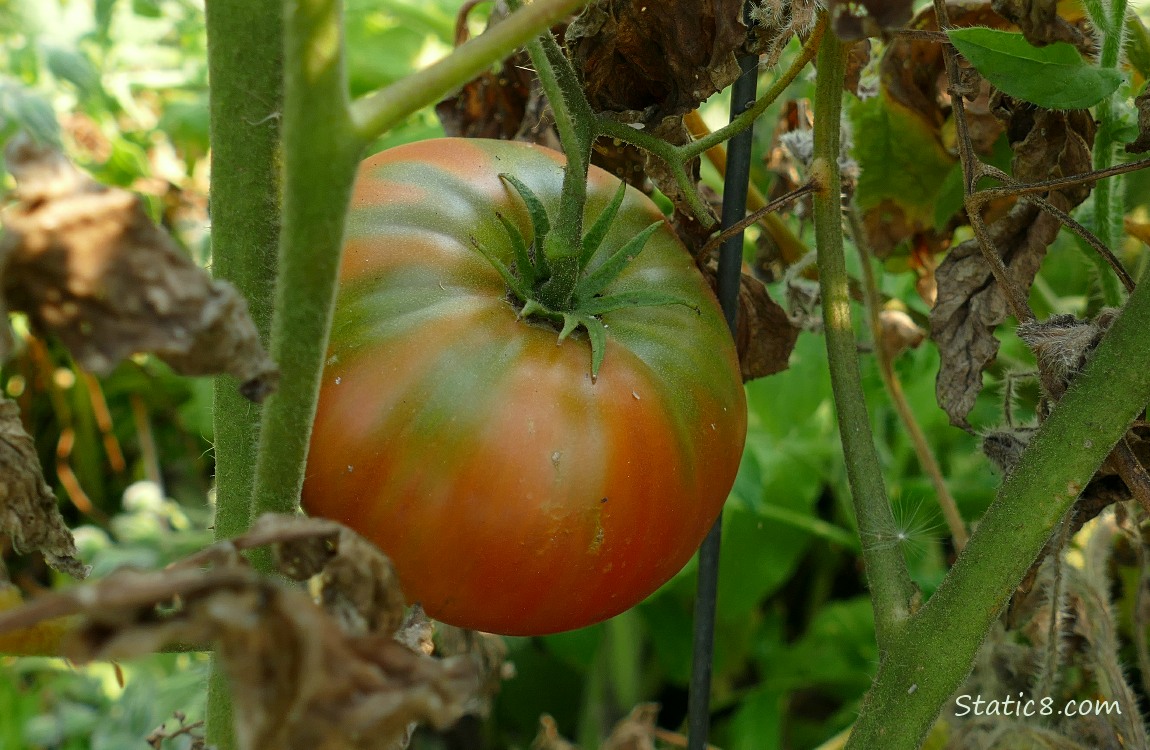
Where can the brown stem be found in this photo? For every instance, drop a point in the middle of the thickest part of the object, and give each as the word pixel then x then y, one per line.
pixel 1132 471
pixel 755 216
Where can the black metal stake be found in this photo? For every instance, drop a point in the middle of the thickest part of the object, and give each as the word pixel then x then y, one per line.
pixel 730 271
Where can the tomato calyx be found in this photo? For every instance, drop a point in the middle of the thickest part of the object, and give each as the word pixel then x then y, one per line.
pixel 555 284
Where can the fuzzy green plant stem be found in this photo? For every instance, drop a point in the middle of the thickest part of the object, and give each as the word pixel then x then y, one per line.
pixel 245 60
pixel 321 152
pixel 377 113
pixel 933 653
pixel 892 591
pixel 1108 208
pixel 576 125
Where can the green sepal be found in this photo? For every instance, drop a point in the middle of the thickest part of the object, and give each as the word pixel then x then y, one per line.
pixel 644 298
pixel 597 281
pixel 533 307
pixel 597 333
pixel 540 223
pixel 509 278
pixel 570 323
pixel 523 263
pixel 594 237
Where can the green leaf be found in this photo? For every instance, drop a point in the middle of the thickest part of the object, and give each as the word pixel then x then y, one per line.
pixel 900 158
pixel 597 280
pixel 598 231
pixel 509 278
pixel 641 298
pixel 523 263
pixel 597 332
pixel 539 221
pixel 1054 77
pixel 22 108
pixel 77 69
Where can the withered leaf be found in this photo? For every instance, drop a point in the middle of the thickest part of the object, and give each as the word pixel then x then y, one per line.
pixel 899 333
pixel 29 514
pixel 86 264
pixel 636 731
pixel 357 582
pixel 661 59
pixel 880 15
pixel 970 304
pixel 300 681
pixel 766 335
pixel 489 652
pixel 549 738
pixel 1141 144
pixel 1038 20
pixel 498 102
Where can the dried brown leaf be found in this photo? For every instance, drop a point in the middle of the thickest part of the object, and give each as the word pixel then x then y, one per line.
pixel 879 16
pixel 970 304
pixel 86 264
pixel 549 738
pixel 899 333
pixel 636 731
pixel 299 680
pixel 1039 22
pixel 29 513
pixel 660 59
pixel 766 336
pixel 502 102
pixel 1141 144
pixel 488 652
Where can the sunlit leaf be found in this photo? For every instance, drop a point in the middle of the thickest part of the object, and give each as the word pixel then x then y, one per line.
pixel 1054 77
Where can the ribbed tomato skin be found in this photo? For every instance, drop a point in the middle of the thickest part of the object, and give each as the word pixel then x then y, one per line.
pixel 514 494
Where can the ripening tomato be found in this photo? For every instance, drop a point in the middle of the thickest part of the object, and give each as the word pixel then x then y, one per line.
pixel 514 492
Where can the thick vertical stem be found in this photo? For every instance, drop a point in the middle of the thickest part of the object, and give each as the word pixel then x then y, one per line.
pixel 891 589
pixel 1108 208
pixel 320 149
pixel 933 653
pixel 245 64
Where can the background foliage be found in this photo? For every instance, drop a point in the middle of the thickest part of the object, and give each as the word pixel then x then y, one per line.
pixel 123 85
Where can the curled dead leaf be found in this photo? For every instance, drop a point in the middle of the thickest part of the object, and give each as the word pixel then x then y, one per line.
pixel 877 17
pixel 899 332
pixel 970 303
pixel 1039 22
pixel 489 652
pixel 548 737
pixel 299 679
pixel 86 264
pixel 766 336
pixel 660 59
pixel 1141 144
pixel 29 514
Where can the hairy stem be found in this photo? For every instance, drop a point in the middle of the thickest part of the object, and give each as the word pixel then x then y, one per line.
pixel 891 589
pixel 1108 209
pixel 245 63
pixel 933 652
pixel 321 151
